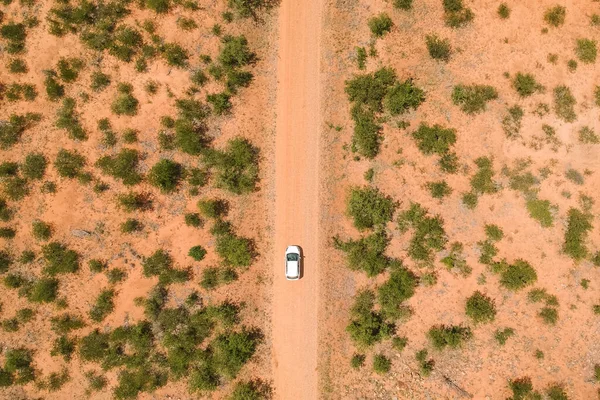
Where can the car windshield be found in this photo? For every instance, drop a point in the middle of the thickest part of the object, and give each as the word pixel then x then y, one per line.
pixel 292 257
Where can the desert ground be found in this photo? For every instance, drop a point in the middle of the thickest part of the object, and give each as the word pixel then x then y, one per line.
pixel 436 160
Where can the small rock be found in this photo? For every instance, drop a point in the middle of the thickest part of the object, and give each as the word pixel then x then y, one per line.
pixel 80 233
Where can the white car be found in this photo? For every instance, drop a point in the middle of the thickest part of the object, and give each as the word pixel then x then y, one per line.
pixel 293 262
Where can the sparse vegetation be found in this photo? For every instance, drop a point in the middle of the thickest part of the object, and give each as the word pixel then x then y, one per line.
pixel 564 103
pixel 438 48
pixel 480 308
pixel 380 25
pixel 453 336
pixel 473 99
pixel 586 50
pixel 456 15
pixel 555 16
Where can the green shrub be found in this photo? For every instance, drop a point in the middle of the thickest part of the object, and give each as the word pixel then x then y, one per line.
pixel 250 8
pixel 18 364
pixel 556 392
pixel 579 224
pixel 518 275
pixel 133 201
pixel 15 35
pixel 116 275
pixel 17 66
pixel 69 164
pixel 541 210
pixel 438 48
pixel 251 390
pixel 399 342
pixel 220 102
pixel 380 25
pixel 130 136
pixel 235 52
pixel 213 208
pixel 59 259
pixel 198 77
pixel 564 103
pixel 68 119
pixel 6 213
pixel 369 90
pixel 522 389
pixel 456 15
pixel 103 306
pixel 480 308
pixel 197 177
pixel 597 95
pixel 16 188
pixel 160 264
pixel 27 257
pixel 235 251
pixel 398 288
pixel 434 139
pixel 511 123
pixel 7 233
pixel 122 166
pixel 125 103
pixel 503 11
pixel 10 325
pixel 34 166
pixel 494 232
pixel 63 346
pixel 367 137
pixel 381 364
pixel 449 163
pixel 439 190
pixel 131 225
pixel 165 175
pixel 502 335
pixel 361 57
pixel 555 16
pixel 69 68
pixel 401 97
pixel 482 182
pixel 549 315
pixel 197 253
pixel 472 99
pixel 96 382
pixel 232 350
pixel 54 90
pixel 12 130
pixel 186 24
pixel 368 329
pixel 588 136
pixel 16 92
pixel 357 361
pixel 5 261
pixel 428 236
pixel 41 230
pixel 43 290
pixel 158 6
pixel 453 336
pixel 403 4
pixel 193 219
pixel 190 136
pixel 175 55
pixel 8 168
pixel 237 166
pixel 100 81
pixel 369 208
pixel 526 85
pixel 97 265
pixel 586 51
pixel 425 365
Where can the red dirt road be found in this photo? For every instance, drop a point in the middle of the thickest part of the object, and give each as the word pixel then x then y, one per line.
pixel 296 203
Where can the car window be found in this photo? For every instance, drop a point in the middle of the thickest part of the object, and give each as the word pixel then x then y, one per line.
pixel 292 257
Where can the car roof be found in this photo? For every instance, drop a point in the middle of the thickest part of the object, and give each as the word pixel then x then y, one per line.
pixel 292 269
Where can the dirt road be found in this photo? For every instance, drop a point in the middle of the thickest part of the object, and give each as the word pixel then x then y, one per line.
pixel 296 204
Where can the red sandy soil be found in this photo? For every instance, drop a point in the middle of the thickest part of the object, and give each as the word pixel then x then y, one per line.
pixel 483 51
pixel 295 303
pixel 75 206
